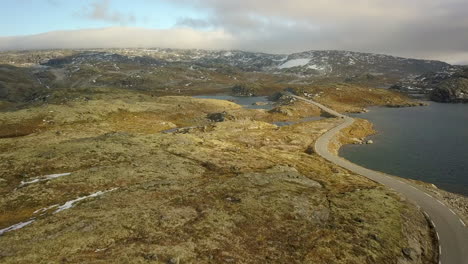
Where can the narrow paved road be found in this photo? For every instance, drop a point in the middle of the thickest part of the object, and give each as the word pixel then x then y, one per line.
pixel 450 229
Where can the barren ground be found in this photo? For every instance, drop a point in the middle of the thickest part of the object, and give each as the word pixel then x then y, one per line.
pixel 238 191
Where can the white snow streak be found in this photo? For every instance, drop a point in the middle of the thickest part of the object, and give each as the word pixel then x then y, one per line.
pixel 45 178
pixel 294 63
pixel 65 206
pixel 315 67
pixel 70 204
pixel 45 209
pixel 16 226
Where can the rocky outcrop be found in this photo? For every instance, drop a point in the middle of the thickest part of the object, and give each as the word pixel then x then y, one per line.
pixel 453 90
pixel 219 117
pixel 281 110
pixel 283 98
pixel 450 86
pixel 243 90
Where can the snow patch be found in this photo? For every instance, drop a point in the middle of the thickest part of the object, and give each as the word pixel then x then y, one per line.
pixel 294 63
pixel 16 226
pixel 70 204
pixel 45 178
pixel 45 209
pixel 282 59
pixel 65 206
pixel 315 67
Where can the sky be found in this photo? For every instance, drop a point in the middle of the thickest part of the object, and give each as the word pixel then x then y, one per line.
pixel 430 29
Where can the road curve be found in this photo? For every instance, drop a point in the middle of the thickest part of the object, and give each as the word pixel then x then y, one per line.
pixel 451 231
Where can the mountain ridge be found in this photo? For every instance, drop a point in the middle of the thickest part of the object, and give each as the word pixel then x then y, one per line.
pixel 154 69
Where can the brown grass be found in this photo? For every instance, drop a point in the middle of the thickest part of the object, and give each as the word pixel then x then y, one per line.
pixel 23 128
pixel 239 191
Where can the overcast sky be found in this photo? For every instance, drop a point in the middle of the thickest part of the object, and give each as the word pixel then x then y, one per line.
pixel 432 29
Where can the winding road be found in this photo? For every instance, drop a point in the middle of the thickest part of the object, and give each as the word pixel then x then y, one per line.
pixel 451 231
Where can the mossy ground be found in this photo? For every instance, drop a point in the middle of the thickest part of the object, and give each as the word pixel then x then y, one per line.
pixel 240 191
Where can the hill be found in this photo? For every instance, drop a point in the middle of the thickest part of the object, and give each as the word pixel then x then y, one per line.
pixel 52 75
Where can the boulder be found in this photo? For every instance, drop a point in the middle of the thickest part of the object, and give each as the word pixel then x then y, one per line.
pixel 219 117
pixel 409 253
pixel 281 110
pixel 310 150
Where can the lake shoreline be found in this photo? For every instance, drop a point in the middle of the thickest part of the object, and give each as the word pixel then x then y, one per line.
pixel 420 143
pixel 458 202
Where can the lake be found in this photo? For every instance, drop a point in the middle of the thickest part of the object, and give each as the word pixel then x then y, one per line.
pixel 427 143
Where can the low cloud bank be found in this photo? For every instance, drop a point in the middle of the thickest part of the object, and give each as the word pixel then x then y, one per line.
pixel 282 41
pixel 120 37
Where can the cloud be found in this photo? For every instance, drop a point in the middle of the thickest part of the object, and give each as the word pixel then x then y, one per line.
pixel 417 28
pixel 101 10
pixel 193 22
pixel 432 29
pixel 119 37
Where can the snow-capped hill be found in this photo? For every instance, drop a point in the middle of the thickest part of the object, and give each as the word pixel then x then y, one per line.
pixel 101 57
pixel 294 63
pixel 347 63
pixel 309 63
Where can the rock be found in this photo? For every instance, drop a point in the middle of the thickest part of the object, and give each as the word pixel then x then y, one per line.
pixel 398 87
pixel 150 256
pixel 182 130
pixel 282 98
pixel 356 141
pixel 233 199
pixel 219 117
pixel 358 219
pixel 281 110
pixel 290 174
pixel 375 237
pixel 260 103
pixel 408 253
pixel 370 141
pixel 453 90
pixel 310 150
pixel 174 261
pixel 320 216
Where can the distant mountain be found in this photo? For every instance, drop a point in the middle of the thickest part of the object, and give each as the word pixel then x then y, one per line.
pixel 449 86
pixel 322 63
pixel 310 63
pixel 166 69
pixel 346 64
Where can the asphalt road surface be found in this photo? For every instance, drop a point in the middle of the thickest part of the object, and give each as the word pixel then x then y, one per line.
pixel 451 231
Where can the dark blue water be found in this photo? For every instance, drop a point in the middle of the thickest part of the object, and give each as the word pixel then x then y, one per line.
pixel 423 143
